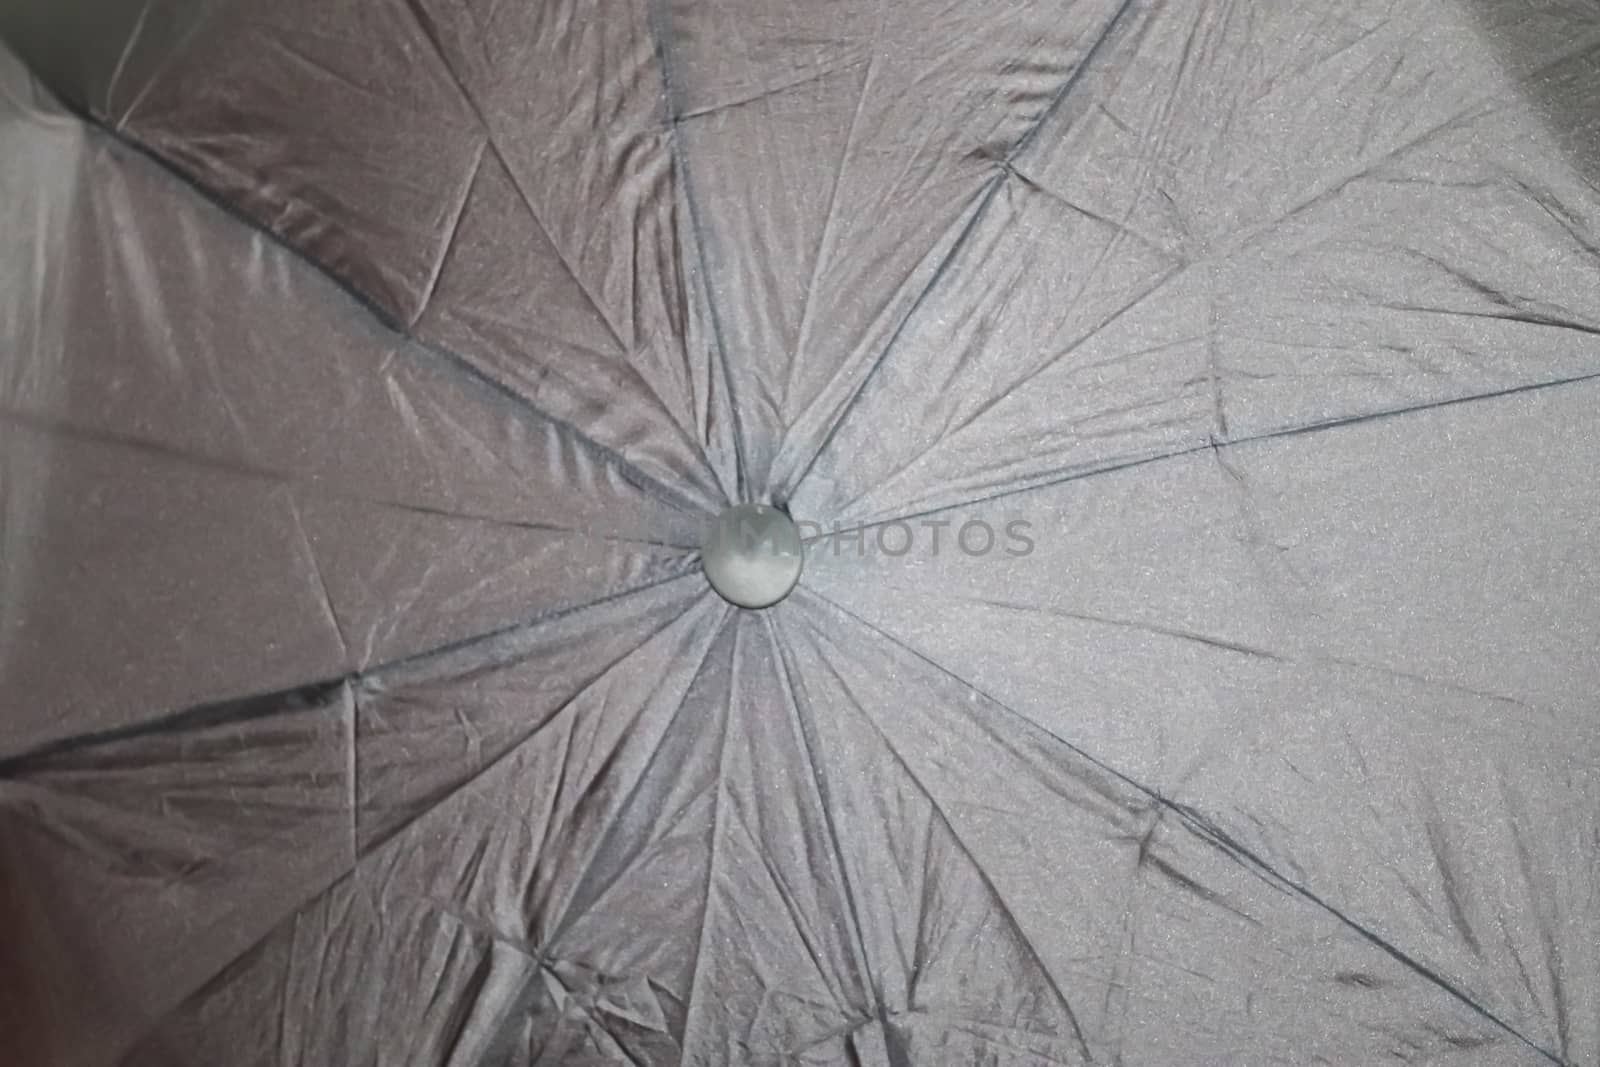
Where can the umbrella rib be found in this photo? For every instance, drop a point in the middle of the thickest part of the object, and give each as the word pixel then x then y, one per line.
pixel 308 696
pixel 291 916
pixel 1009 170
pixel 1212 444
pixel 802 332
pixel 180 47
pixel 859 943
pixel 985 198
pixel 647 483
pixel 644 481
pixel 621 356
pixel 245 469
pixel 694 1002
pixel 311 696
pixel 1203 828
pixel 522 524
pixel 985 201
pixel 658 25
pixel 1177 633
pixel 550 238
pixel 522 626
pixel 491 144
pixel 457 217
pixel 424 24
pixel 316 569
pixel 999 396
pixel 938 813
pixel 516 745
pixel 564 915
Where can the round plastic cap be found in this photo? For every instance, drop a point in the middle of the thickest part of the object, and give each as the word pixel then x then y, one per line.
pixel 753 555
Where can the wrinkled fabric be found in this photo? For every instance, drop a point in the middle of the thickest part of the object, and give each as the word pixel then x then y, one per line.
pixel 370 373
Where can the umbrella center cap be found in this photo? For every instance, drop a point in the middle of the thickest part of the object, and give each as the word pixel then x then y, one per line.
pixel 753 555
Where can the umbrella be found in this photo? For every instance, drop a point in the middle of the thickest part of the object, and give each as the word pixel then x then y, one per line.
pixel 675 531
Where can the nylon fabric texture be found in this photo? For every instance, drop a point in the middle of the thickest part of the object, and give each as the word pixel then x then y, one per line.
pixel 1191 409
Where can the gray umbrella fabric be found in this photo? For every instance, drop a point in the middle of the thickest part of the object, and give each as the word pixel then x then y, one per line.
pixel 1190 408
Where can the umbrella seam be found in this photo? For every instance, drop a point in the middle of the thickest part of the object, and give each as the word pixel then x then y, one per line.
pixel 491 144
pixel 646 482
pixel 985 201
pixel 1214 444
pixel 457 217
pixel 1203 828
pixel 561 921
pixel 937 812
pixel 710 895
pixel 802 332
pixel 824 800
pixel 179 49
pixel 270 703
pixel 291 918
pixel 247 469
pixel 658 26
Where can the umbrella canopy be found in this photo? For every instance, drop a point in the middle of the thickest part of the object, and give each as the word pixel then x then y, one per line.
pixel 1190 410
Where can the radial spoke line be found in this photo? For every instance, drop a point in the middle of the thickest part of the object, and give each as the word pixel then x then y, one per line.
pixel 829 220
pixel 307 696
pixel 179 49
pixel 1204 829
pixel 51 426
pixel 1212 444
pixel 516 745
pixel 493 145
pixel 659 24
pixel 937 812
pixel 288 918
pixel 694 1002
pixel 511 524
pixel 1000 396
pixel 527 625
pixel 858 942
pixel 457 217
pixel 1113 24
pixel 310 697
pixel 986 199
pixel 621 357
pixel 566 913
pixel 645 482
pixel 511 750
pixel 426 27
pixel 571 271
pixel 1207 831
pixel 1176 633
